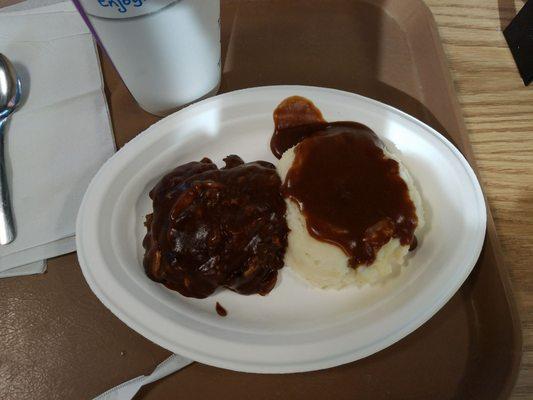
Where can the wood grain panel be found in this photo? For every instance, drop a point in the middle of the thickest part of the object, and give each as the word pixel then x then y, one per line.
pixel 498 111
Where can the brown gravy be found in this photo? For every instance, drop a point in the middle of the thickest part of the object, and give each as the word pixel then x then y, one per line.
pixel 349 192
pixel 220 310
pixel 215 227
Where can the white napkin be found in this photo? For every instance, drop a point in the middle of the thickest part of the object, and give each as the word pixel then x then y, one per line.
pixel 59 137
pixel 37 267
pixel 128 389
pixel 39 6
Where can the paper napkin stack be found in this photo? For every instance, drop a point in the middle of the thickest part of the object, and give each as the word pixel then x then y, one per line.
pixel 61 134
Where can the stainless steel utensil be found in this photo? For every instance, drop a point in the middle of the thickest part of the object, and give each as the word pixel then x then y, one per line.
pixel 10 94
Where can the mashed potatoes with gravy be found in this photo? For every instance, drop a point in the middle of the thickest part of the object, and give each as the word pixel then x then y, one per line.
pixel 326 265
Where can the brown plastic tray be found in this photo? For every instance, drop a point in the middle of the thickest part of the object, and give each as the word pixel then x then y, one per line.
pixel 58 341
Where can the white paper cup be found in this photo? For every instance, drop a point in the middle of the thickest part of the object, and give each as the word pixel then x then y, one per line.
pixel 166 51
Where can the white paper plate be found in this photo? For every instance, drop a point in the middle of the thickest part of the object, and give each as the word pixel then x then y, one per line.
pixel 296 327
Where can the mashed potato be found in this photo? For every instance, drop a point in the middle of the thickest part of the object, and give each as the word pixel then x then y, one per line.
pixel 326 265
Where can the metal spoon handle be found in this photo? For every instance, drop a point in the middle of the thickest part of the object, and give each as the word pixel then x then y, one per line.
pixel 7 227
